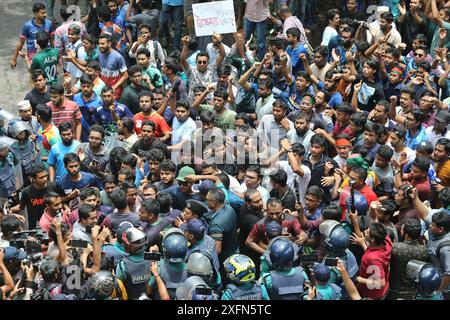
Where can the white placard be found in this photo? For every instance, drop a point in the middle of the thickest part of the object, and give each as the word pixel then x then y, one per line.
pixel 214 17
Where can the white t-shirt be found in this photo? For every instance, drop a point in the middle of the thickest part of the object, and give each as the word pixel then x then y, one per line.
pixel 328 33
pixel 295 182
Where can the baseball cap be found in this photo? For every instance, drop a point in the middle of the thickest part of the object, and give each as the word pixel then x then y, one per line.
pixel 194 226
pixel 322 272
pixel 24 105
pixel 273 228
pixel 425 146
pixel 12 253
pixel 203 187
pixel 75 28
pixel 184 172
pixel 196 207
pixel 443 116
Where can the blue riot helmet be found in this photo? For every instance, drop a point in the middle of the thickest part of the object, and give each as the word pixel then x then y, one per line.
pixel 195 288
pixel 425 277
pixel 175 245
pixel 337 238
pixel 361 204
pixel 281 253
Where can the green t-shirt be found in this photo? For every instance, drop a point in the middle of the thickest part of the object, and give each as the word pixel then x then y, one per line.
pixel 154 76
pixel 47 61
pixel 222 121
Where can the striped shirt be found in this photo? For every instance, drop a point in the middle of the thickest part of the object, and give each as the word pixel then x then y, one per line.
pixel 68 111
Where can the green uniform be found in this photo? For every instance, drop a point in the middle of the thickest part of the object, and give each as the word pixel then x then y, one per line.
pixel 47 61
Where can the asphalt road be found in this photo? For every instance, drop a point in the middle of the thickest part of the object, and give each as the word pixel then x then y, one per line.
pixel 14 84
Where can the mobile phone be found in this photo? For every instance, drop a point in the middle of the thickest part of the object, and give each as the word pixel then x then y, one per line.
pixel 331 262
pixel 202 291
pixel 79 244
pixel 154 256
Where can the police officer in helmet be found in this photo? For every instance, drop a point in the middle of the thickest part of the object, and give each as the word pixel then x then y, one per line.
pixel 133 270
pixel 172 268
pixel 200 264
pixel 426 279
pixel 336 245
pixel 285 282
pixel 241 272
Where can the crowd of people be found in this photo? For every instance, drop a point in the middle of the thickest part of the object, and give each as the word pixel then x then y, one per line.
pixel 148 163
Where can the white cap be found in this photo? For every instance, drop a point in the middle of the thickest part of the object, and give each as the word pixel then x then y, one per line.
pixel 24 105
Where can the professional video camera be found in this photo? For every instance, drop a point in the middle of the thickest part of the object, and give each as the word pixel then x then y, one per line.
pixel 30 240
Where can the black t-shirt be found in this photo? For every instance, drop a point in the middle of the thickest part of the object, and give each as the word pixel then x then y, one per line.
pixel 369 95
pixel 287 200
pixel 33 200
pixel 247 219
pixel 36 98
pixel 141 149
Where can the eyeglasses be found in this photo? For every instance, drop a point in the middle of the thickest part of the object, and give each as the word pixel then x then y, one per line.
pixel 202 62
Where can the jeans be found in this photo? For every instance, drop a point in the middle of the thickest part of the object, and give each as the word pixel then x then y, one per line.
pixel 175 15
pixel 249 27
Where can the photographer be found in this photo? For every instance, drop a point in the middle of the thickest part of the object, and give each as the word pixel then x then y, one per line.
pixel 9 225
pixel 8 283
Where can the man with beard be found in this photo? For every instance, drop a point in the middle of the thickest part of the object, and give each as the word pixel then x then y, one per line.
pixel 64 110
pixel 303 132
pixel 154 158
pixel 372 132
pixel 307 103
pixel 32 198
pixel 442 163
pixel 147 141
pixel 167 174
pixel 130 96
pixel 387 30
pixel 250 213
pixel 183 128
pixel 87 100
pixel 25 116
pixel 87 220
pixel 265 101
pixel 294 49
pixel 148 112
pixel 402 153
pixel 94 155
pixel 112 65
pixel 125 129
pixel 109 113
pixel 57 152
pixel 320 66
pixel 39 94
pixel 398 113
pixel 75 180
pixel 183 191
pixel 92 69
pixel 415 133
pixel 152 223
pixel 439 129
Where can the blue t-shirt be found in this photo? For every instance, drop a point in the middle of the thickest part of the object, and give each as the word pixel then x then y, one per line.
pixel 29 31
pixel 105 119
pixel 87 180
pixel 179 198
pixel 335 98
pixel 87 109
pixel 297 64
pixel 56 156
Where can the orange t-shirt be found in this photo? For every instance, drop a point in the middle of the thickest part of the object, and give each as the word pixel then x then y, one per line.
pixel 161 125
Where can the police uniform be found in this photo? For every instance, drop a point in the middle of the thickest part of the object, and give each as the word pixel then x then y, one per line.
pixel 134 271
pixel 172 274
pixel 7 175
pixel 245 291
pixel 285 285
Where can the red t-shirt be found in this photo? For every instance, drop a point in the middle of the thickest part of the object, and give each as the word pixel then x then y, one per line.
pixel 258 232
pixel 367 192
pixel 161 125
pixel 67 112
pixel 375 265
pixel 423 187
